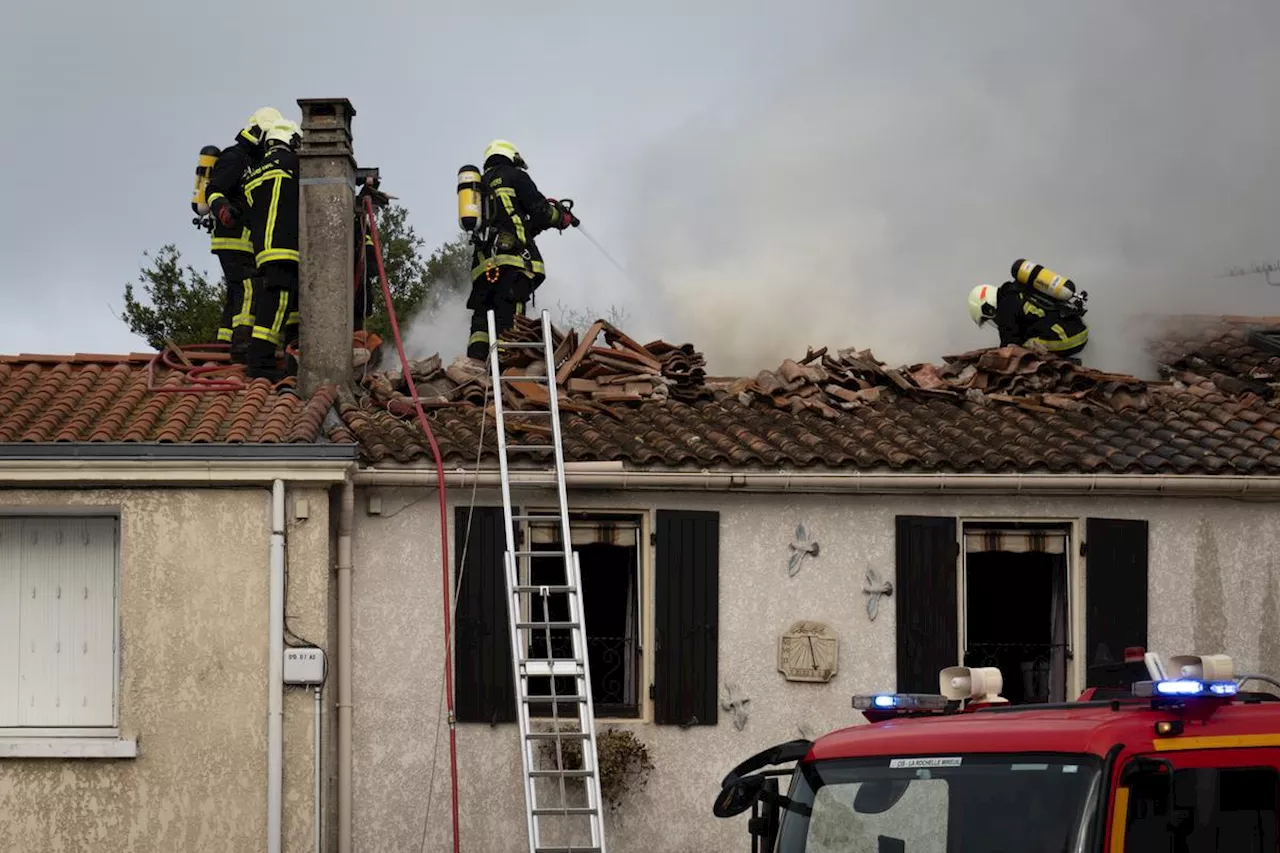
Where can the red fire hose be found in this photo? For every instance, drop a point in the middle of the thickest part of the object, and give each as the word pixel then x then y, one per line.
pixel 444 525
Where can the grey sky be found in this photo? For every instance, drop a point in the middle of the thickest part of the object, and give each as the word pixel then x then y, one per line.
pixel 779 175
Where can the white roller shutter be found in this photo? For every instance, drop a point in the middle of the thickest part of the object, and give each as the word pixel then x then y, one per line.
pixel 66 618
pixel 10 603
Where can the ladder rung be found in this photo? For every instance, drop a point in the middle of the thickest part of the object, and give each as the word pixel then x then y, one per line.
pixel 567 850
pixel 555 774
pixel 521 344
pixel 567 811
pixel 515 413
pixel 539 517
pixel 554 735
pixel 522 377
pixel 548 588
pixel 538 553
pixel 554 626
pixel 546 700
pixel 542 447
pixel 558 666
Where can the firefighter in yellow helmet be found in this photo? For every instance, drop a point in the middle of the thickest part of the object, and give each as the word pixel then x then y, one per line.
pixel 231 240
pixel 1038 309
pixel 271 191
pixel 506 266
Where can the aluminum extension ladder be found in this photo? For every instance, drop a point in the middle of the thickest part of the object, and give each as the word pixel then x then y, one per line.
pixel 553 771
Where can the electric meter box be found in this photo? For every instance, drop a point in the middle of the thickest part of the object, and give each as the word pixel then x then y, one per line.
pixel 303 666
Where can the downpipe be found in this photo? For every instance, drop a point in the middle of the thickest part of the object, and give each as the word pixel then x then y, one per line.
pixel 346 516
pixel 275 674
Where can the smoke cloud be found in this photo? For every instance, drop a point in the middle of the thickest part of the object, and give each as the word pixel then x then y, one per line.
pixel 856 197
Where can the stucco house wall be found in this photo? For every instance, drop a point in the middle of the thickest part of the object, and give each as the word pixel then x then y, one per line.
pixel 1213 587
pixel 193 626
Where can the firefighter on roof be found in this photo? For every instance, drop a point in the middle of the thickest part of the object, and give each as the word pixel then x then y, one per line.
pixel 1038 310
pixel 271 191
pixel 506 266
pixel 231 240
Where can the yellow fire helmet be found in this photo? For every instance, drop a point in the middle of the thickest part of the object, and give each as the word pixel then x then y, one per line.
pixel 285 131
pixel 262 120
pixel 506 149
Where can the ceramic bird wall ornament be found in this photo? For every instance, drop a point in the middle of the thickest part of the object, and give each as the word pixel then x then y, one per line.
pixel 802 547
pixel 734 703
pixel 874 589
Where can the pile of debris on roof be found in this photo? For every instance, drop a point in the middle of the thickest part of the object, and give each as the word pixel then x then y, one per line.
pixel 1240 355
pixel 594 375
pixel 851 378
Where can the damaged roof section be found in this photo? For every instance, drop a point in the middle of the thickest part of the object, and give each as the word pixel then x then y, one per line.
pixel 849 379
pixel 604 366
pixel 994 410
pixel 1238 354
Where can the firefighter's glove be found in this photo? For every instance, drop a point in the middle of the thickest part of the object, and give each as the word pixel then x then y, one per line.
pixel 226 213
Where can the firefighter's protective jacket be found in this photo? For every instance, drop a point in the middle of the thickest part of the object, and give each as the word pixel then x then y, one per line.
pixel 271 191
pixel 225 183
pixel 515 212
pixel 1025 317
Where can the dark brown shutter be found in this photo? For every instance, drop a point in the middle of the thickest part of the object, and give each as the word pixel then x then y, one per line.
pixel 484 681
pixel 1115 609
pixel 925 591
pixel 687 616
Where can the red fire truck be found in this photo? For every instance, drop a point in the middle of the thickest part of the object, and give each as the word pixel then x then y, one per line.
pixel 1183 762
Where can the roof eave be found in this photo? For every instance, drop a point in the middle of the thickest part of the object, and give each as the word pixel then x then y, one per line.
pixel 617 477
pixel 95 464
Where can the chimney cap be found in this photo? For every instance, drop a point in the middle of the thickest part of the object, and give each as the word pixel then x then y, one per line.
pixel 303 103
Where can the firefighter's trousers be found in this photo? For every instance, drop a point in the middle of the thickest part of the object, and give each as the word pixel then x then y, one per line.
pixel 275 320
pixel 237 307
pixel 506 297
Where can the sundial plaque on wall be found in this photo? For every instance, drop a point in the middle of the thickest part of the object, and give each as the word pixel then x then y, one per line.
pixel 808 651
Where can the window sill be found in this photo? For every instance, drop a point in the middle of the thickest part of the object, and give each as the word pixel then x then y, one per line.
pixel 67 747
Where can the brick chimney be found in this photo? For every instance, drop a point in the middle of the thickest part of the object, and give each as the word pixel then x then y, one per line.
pixel 325 296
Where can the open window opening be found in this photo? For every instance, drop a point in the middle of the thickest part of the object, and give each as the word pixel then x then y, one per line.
pixel 1016 606
pixel 608 549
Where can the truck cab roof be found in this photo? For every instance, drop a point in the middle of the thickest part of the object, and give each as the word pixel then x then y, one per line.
pixel 1089 727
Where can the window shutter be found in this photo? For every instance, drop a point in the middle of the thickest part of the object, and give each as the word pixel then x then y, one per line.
pixel 925 591
pixel 1115 595
pixel 484 686
pixel 687 617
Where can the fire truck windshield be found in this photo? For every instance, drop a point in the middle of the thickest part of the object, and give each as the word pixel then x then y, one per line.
pixel 956 803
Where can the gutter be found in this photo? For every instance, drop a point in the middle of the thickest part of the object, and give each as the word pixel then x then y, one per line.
pixel 248 470
pixel 614 477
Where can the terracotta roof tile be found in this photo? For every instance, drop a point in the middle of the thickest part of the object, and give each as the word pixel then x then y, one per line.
pixel 113 398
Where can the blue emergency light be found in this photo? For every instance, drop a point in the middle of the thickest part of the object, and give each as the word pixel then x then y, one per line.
pixel 1185 687
pixel 900 702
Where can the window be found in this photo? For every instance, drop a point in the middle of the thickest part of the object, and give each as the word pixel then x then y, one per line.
pixel 609 558
pixel 1206 809
pixel 1029 643
pixel 58 644
pixel 942 623
pixel 675 601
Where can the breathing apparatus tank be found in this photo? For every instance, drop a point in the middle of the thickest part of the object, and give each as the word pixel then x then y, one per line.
pixel 1043 280
pixel 204 168
pixel 469 213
